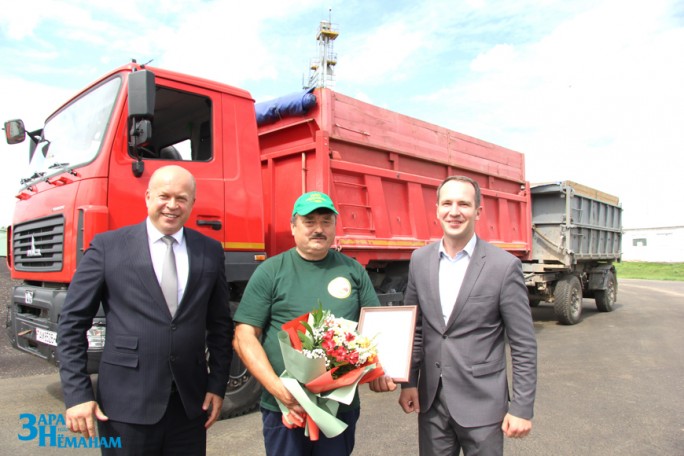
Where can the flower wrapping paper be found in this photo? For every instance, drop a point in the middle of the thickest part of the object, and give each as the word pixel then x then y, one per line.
pixel 314 386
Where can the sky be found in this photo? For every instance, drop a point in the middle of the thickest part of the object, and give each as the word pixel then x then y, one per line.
pixel 589 90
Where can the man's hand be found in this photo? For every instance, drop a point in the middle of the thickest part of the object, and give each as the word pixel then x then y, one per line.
pixel 382 384
pixel 79 418
pixel 408 399
pixel 297 412
pixel 214 403
pixel 515 427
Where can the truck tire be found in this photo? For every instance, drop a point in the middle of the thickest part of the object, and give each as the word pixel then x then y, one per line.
pixel 605 299
pixel 567 303
pixel 243 392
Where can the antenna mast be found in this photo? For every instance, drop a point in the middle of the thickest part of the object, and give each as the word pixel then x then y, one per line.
pixel 322 68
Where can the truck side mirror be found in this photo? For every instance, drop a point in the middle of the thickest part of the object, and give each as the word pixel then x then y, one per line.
pixel 141 97
pixel 15 131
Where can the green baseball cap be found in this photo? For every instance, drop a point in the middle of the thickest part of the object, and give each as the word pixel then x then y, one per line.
pixel 309 202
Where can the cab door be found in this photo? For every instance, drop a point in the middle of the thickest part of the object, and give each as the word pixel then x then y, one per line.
pixel 182 134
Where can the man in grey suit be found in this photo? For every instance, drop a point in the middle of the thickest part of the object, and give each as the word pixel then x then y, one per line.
pixel 471 296
pixel 156 390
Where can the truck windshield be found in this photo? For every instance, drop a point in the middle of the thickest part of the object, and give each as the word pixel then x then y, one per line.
pixel 73 136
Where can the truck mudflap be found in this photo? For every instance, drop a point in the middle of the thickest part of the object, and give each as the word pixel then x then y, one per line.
pixel 32 324
pixel 600 276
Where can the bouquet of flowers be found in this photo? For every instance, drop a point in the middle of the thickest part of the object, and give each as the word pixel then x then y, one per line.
pixel 325 361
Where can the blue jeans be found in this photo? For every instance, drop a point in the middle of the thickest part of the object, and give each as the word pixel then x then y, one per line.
pixel 281 441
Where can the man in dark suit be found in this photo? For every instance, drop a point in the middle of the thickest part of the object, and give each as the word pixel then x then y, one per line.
pixel 156 389
pixel 471 296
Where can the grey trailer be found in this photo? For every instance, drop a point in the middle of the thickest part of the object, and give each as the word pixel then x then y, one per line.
pixel 576 239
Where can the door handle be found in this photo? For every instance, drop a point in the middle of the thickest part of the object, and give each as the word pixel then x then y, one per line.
pixel 214 224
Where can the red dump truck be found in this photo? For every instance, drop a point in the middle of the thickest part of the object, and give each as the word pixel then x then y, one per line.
pixel 90 163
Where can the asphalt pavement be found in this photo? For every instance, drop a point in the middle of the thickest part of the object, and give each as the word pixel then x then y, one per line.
pixel 611 385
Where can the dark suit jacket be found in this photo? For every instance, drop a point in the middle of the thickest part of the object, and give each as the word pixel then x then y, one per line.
pixel 145 349
pixel 468 352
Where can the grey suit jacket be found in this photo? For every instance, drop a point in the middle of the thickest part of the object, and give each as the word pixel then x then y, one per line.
pixel 145 348
pixel 468 351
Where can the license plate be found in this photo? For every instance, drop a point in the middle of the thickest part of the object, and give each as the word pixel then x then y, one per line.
pixel 46 337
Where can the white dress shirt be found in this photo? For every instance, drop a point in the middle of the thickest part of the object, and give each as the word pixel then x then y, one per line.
pixel 451 274
pixel 158 251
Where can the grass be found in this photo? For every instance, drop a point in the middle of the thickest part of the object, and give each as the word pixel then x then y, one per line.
pixel 650 271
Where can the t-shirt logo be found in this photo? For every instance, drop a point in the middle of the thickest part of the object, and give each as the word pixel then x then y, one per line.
pixel 340 287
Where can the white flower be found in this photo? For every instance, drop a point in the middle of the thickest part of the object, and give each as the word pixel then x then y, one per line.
pixel 314 354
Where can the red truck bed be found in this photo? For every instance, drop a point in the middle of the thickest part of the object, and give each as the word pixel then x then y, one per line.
pixel 382 169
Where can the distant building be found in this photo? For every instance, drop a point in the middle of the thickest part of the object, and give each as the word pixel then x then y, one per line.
pixel 654 245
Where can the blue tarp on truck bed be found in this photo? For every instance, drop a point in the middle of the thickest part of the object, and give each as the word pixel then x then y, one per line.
pixel 294 104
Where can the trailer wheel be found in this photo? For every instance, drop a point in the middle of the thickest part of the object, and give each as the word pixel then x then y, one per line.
pixel 605 299
pixel 567 303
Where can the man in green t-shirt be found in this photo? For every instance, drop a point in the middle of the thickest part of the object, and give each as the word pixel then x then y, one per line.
pixel 284 287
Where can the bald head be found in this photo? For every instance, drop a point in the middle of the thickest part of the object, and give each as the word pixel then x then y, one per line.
pixel 172 173
pixel 169 198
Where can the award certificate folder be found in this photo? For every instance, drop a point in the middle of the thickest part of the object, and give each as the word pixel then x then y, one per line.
pixel 393 328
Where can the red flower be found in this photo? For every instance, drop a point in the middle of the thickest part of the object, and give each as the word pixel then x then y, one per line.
pixel 327 344
pixel 340 354
pixel 353 357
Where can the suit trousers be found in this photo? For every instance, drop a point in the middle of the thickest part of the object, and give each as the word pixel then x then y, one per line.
pixel 174 434
pixel 440 435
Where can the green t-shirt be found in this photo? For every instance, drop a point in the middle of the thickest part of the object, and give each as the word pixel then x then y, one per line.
pixel 287 286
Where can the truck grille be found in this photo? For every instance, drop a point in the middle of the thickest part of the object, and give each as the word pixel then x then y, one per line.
pixel 39 245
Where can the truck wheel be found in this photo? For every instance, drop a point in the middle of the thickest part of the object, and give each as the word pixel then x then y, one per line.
pixel 567 303
pixel 605 299
pixel 243 393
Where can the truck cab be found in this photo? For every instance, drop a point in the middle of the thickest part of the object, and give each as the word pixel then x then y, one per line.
pixel 88 171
